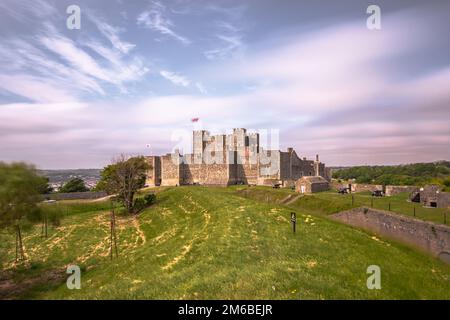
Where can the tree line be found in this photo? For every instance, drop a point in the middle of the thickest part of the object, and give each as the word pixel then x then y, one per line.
pixel 409 174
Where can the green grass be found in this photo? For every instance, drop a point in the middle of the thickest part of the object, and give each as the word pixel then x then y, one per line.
pixel 213 243
pixel 329 202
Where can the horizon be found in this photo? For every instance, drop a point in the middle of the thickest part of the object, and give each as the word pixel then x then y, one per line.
pixel 136 73
pixel 328 166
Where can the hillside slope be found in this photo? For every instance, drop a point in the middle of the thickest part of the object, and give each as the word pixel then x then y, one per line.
pixel 208 243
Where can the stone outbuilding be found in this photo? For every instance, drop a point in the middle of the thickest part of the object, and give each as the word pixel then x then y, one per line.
pixel 431 196
pixel 311 184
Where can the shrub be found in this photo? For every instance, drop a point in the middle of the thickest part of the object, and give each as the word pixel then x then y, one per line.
pixel 139 205
pixel 145 202
pixel 150 199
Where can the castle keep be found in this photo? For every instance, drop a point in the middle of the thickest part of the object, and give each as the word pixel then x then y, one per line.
pixel 236 158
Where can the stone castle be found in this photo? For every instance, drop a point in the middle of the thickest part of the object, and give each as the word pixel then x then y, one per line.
pixel 236 158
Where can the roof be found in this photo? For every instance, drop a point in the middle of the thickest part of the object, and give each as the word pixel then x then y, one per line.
pixel 312 179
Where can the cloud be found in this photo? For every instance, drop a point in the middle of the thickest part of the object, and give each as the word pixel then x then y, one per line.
pixel 351 95
pixel 156 20
pixel 230 47
pixel 228 33
pixel 62 68
pixel 112 34
pixel 25 10
pixel 201 88
pixel 75 56
pixel 175 78
pixel 35 89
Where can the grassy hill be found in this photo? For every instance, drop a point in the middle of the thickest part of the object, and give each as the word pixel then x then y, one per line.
pixel 214 243
pixel 329 202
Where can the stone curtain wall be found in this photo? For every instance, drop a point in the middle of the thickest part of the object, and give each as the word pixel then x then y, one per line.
pixel 428 236
pixel 170 171
pixel 358 187
pixel 393 190
pixel 74 196
pixel 154 173
pixel 205 174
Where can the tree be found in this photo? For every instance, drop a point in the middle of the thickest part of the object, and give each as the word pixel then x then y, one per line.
pixel 20 186
pixel 124 178
pixel 46 188
pixel 74 185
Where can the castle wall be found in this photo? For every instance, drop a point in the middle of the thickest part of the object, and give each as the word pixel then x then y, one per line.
pixel 269 167
pixel 393 190
pixel 170 170
pixel 154 172
pixel 428 236
pixel 231 159
pixel 203 173
pixel 247 170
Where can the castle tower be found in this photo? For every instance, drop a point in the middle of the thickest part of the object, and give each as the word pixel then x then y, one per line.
pixel 198 144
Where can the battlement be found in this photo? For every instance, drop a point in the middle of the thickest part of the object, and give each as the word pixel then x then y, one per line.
pixel 235 158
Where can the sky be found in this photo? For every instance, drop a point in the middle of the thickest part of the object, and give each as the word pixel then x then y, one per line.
pixel 130 80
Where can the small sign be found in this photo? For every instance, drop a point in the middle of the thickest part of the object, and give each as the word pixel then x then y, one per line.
pixel 293 220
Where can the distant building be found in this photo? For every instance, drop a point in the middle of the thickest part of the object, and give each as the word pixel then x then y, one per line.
pixel 311 184
pixel 431 196
pixel 236 158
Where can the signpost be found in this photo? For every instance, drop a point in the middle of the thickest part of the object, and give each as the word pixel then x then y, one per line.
pixel 293 220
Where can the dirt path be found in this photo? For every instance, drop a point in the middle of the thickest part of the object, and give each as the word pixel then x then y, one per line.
pixel 290 199
pixel 11 289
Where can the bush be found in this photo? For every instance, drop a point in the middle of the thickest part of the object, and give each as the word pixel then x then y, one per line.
pixel 74 185
pixel 150 199
pixel 145 202
pixel 139 205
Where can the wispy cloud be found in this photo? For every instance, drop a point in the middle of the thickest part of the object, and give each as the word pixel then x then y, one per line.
pixel 112 34
pixel 48 66
pixel 229 46
pixel 175 78
pixel 228 34
pixel 35 89
pixel 25 10
pixel 201 88
pixel 155 19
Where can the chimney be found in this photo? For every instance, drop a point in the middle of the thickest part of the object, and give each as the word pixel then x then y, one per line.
pixel 317 158
pixel 290 150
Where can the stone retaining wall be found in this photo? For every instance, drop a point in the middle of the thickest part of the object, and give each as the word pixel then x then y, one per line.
pixel 393 190
pixel 74 196
pixel 428 236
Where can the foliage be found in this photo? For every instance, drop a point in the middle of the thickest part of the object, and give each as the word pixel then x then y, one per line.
pixel 124 178
pixel 150 199
pixel 74 185
pixel 145 202
pixel 20 187
pixel 410 174
pixel 45 188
